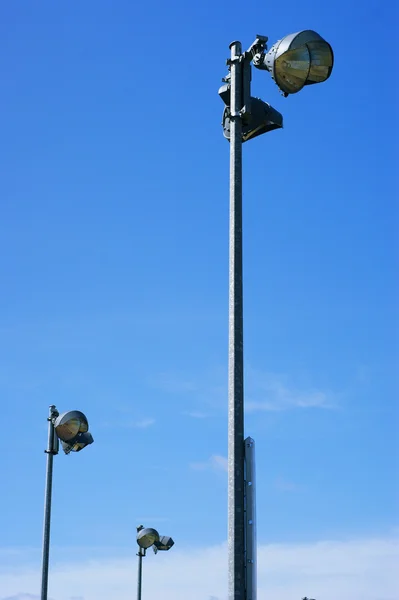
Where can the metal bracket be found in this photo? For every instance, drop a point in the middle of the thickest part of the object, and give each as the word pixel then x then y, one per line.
pixel 246 88
pixel 54 414
pixel 258 46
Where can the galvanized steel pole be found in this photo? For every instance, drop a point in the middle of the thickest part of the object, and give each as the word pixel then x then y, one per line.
pixel 140 554
pixel 236 529
pixel 51 450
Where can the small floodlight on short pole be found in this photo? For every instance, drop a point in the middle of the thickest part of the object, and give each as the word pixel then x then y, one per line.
pixel 147 538
pixel 72 429
pixel 297 60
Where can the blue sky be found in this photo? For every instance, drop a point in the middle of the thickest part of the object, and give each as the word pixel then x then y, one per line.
pixel 114 271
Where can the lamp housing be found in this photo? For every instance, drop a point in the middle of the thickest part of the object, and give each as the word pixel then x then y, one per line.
pixel 298 59
pixel 71 428
pixel 262 119
pixel 164 543
pixel 146 537
pixel 69 424
pixel 80 441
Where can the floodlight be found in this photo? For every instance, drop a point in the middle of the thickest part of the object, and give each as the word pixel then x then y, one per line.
pixel 299 59
pixel 77 443
pixel 72 429
pixel 165 543
pixel 146 537
pixel 263 118
pixel 69 424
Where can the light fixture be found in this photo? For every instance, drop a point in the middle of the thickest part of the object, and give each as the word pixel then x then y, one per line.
pixel 72 429
pixel 165 542
pixel 263 118
pixel 299 59
pixel 146 537
pixel 258 118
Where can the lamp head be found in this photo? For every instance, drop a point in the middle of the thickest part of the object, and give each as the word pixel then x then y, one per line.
pixel 164 543
pixel 263 118
pixel 72 429
pixel 77 443
pixel 146 537
pixel 299 59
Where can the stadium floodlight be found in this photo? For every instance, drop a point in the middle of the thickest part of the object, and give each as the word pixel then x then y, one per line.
pixel 164 543
pixel 146 537
pixel 72 429
pixel 299 59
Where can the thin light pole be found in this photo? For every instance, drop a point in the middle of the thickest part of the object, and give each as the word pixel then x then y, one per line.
pixel 140 554
pixel 236 530
pixel 51 450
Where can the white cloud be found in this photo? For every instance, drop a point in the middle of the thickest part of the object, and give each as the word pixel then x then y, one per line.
pixel 128 424
pixel 215 462
pixel 219 462
pixel 264 392
pixel 358 569
pixel 268 392
pixel 23 597
pixel 195 414
pixel 143 423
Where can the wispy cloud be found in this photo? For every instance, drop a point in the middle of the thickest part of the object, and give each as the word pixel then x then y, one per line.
pixel 264 392
pixel 24 597
pixel 173 383
pixel 195 414
pixel 128 424
pixel 269 392
pixel 283 485
pixel 142 423
pixel 203 392
pixel 216 462
pixel 354 569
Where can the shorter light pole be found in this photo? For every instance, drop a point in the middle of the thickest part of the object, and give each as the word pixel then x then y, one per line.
pixel 72 429
pixel 147 537
pixel 140 554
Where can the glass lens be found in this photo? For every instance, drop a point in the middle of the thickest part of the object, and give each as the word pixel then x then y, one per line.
pixel 84 426
pixel 146 537
pixel 291 69
pixel 68 430
pixel 321 60
pixel 78 446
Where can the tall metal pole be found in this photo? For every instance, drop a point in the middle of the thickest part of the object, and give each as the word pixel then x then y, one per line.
pixel 52 448
pixel 140 554
pixel 236 529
